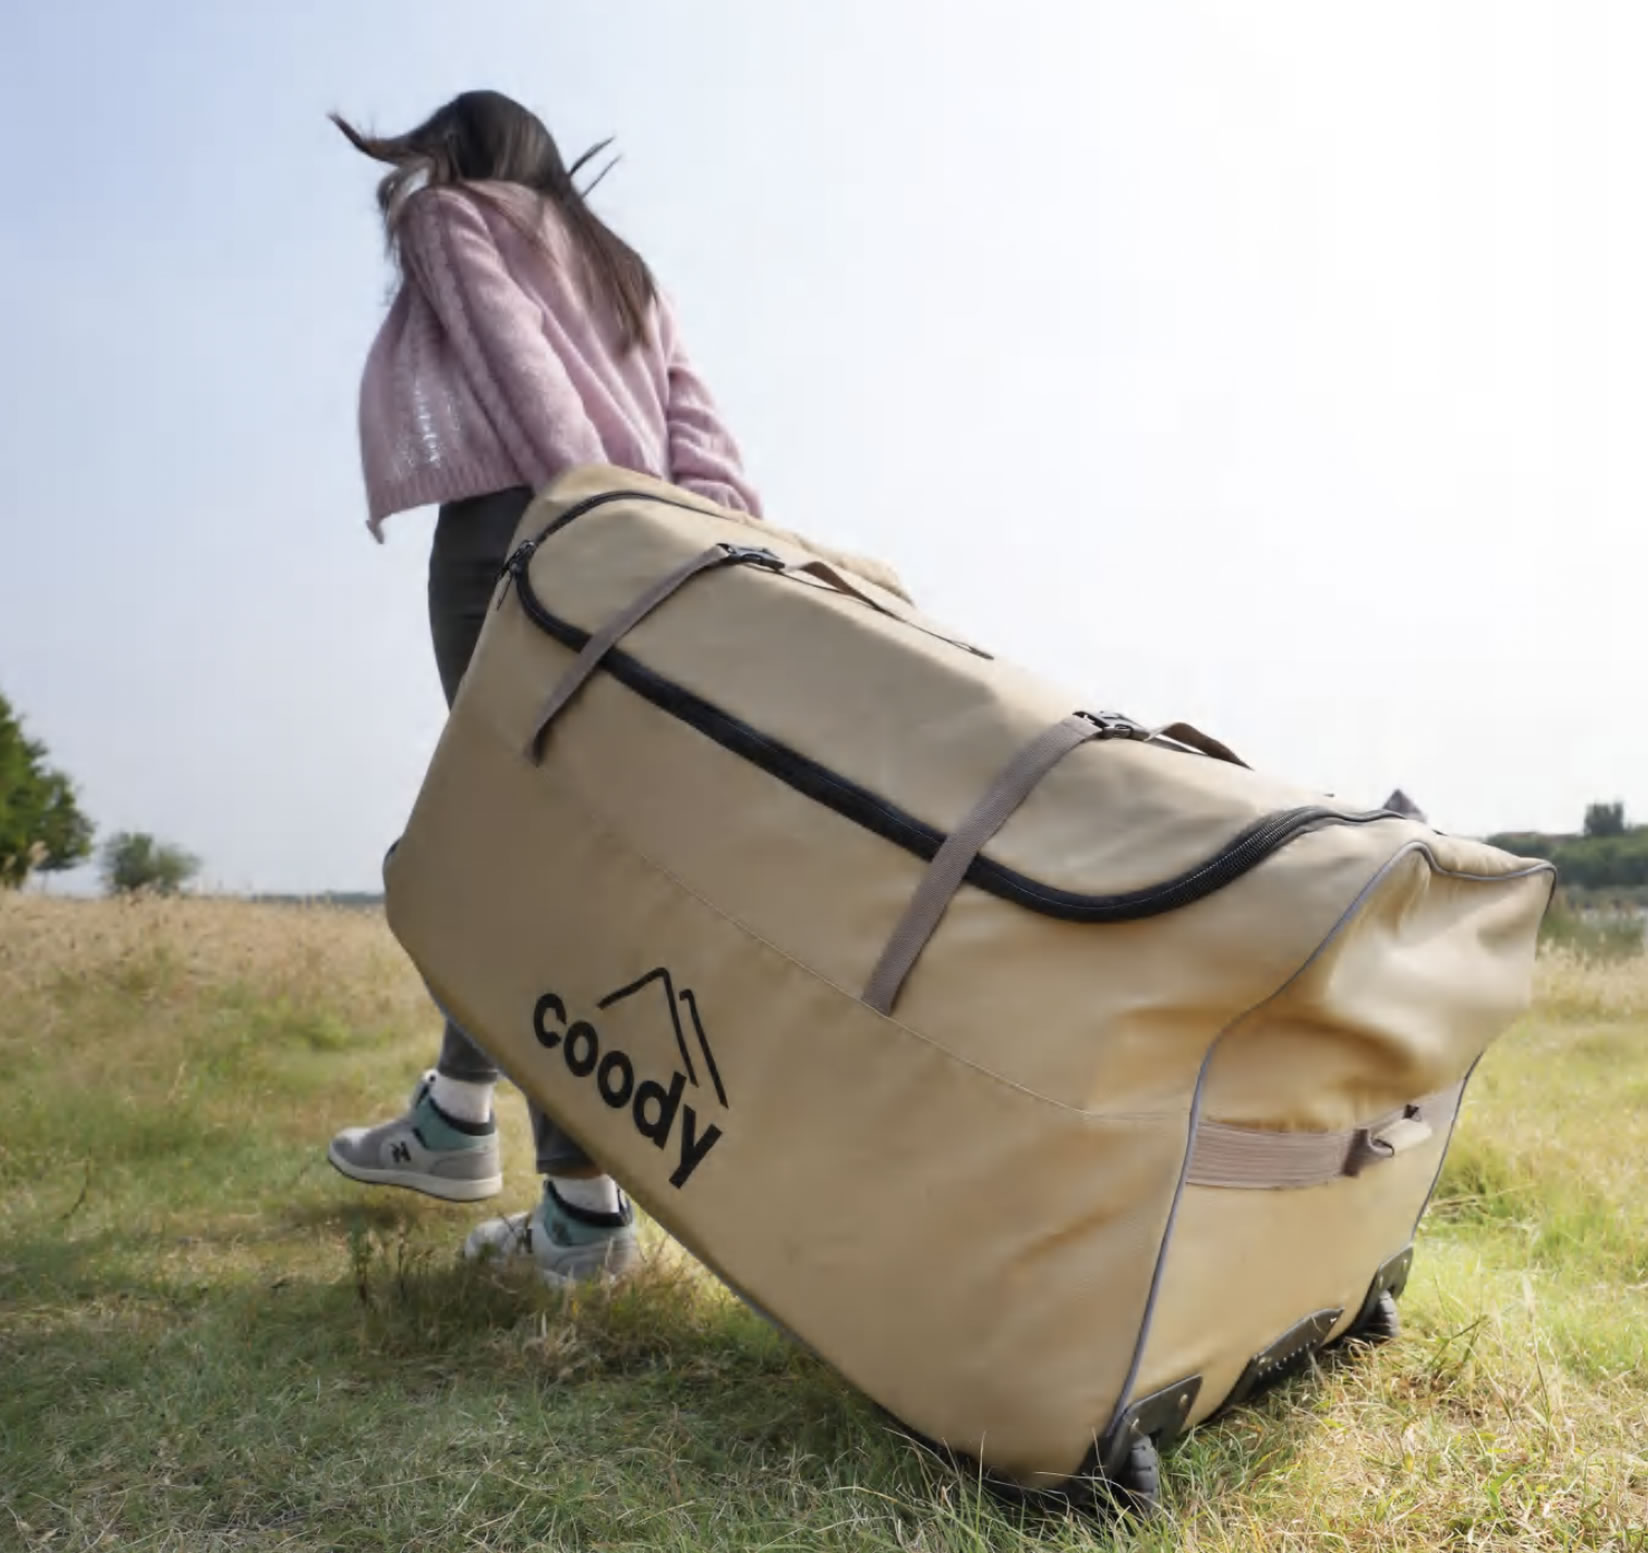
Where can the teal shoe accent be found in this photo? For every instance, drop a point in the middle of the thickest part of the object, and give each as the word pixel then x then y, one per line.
pixel 423 1151
pixel 438 1132
pixel 567 1244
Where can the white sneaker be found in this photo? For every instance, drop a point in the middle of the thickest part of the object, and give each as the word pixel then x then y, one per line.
pixel 568 1244
pixel 425 1150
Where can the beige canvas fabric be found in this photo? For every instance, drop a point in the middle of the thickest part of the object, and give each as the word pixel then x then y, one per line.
pixel 980 1204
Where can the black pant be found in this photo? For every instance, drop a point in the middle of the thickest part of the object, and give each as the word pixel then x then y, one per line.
pixel 472 540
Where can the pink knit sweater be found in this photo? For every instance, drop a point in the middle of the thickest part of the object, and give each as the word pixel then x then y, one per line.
pixel 493 369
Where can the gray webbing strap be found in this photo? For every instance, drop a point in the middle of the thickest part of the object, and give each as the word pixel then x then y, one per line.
pixel 952 860
pixel 1193 738
pixel 842 583
pixel 1255 1157
pixel 631 615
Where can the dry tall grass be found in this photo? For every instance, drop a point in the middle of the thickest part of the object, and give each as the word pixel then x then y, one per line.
pixel 208 1340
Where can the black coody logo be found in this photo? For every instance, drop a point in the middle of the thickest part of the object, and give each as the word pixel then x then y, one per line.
pixel 654 1108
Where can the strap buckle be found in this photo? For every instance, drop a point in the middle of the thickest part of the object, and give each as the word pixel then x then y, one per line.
pixel 1114 725
pixel 1373 1147
pixel 753 555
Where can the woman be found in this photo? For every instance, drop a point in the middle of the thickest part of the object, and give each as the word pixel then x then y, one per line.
pixel 526 338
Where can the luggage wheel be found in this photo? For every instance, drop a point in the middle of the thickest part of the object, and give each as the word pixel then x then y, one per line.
pixel 1130 1461
pixel 1378 1321
pixel 1381 1324
pixel 1136 1484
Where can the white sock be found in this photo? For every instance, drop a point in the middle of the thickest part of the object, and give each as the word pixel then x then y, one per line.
pixel 594 1194
pixel 459 1098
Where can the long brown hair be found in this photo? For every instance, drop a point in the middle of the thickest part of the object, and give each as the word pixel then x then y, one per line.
pixel 485 135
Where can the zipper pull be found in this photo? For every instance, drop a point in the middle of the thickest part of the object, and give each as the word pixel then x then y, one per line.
pixel 753 555
pixel 514 567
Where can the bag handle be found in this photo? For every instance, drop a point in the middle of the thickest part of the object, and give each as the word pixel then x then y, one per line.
pixel 602 641
pixel 950 863
pixel 1224 1154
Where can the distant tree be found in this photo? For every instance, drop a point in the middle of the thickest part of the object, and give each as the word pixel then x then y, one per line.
pixel 134 861
pixel 1605 819
pixel 41 825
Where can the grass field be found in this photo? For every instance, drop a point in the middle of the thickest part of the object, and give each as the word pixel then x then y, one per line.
pixel 209 1340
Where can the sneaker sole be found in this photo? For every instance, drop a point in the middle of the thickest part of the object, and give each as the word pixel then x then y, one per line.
pixel 596 1264
pixel 415 1181
pixel 595 1270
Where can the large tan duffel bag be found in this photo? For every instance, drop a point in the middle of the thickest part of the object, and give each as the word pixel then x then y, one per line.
pixel 1057 1082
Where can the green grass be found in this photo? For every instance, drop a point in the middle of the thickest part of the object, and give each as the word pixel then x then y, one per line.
pixel 1615 929
pixel 209 1340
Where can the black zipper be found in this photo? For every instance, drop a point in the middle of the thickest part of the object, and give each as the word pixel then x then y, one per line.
pixel 1245 851
pixel 515 564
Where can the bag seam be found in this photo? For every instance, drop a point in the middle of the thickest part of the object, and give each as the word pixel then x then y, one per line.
pixel 1354 909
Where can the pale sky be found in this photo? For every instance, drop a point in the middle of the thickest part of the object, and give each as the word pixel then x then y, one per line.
pixel 1276 366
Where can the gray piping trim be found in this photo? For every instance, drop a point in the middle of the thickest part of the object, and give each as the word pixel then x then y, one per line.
pixel 1195 1116
pixel 1447 1143
pixel 1464 1086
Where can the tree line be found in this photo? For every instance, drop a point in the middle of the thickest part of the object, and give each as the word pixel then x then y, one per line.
pixel 43 828
pixel 1608 854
